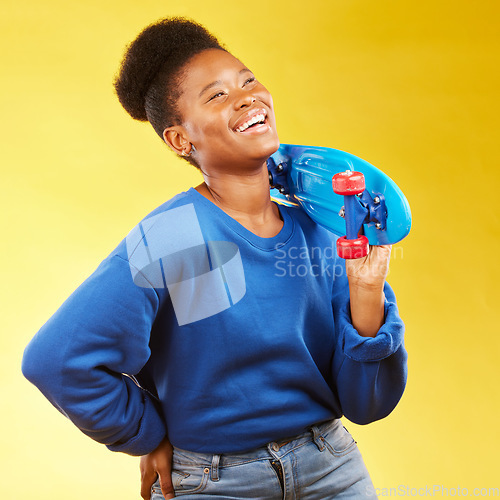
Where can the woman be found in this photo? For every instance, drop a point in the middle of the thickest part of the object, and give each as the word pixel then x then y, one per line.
pixel 198 332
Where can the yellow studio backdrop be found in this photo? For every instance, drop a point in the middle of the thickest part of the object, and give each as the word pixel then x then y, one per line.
pixel 410 86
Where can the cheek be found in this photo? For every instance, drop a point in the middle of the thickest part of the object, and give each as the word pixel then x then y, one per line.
pixel 209 137
pixel 264 94
pixel 206 128
pixel 266 97
pixel 202 122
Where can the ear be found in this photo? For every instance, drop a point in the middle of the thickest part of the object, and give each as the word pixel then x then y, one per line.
pixel 177 139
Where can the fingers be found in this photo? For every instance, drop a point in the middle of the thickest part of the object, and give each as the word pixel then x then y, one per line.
pixel 167 488
pixel 372 270
pixel 382 250
pixel 157 464
pixel 164 469
pixel 166 485
pixel 147 480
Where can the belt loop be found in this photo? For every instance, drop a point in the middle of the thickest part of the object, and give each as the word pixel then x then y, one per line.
pixel 317 438
pixel 214 474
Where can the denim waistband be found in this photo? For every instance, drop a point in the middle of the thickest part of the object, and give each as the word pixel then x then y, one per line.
pixel 274 449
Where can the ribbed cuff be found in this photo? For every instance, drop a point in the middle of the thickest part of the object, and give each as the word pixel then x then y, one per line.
pixel 387 341
pixel 151 432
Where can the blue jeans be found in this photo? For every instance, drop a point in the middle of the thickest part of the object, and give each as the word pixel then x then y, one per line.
pixel 320 464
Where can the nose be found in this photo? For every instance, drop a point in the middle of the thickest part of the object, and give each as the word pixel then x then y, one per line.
pixel 244 99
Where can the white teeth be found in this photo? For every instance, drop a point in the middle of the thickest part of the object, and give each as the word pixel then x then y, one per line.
pixel 255 119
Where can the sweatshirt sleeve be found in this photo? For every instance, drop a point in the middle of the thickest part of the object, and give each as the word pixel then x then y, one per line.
pixel 84 358
pixel 370 372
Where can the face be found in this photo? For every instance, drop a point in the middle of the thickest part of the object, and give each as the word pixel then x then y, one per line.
pixel 227 114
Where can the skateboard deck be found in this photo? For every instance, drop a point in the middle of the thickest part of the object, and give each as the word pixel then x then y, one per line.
pixel 302 175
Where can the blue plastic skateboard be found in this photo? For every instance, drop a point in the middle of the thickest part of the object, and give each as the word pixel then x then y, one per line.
pixel 363 204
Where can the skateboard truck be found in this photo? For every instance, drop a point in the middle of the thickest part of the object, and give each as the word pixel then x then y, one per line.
pixel 277 175
pixel 359 208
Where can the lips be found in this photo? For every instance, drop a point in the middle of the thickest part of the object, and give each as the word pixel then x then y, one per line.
pixel 249 119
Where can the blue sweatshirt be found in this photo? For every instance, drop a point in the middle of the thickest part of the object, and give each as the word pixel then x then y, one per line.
pixel 196 325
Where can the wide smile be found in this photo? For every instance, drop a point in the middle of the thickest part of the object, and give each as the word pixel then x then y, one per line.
pixel 253 122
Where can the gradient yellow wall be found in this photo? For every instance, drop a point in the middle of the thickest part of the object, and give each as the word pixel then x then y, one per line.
pixel 410 86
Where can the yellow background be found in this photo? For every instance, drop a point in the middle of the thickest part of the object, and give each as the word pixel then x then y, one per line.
pixel 410 86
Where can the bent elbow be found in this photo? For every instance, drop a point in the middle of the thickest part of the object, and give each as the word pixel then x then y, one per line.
pixel 367 416
pixel 31 365
pixel 39 365
pixel 364 409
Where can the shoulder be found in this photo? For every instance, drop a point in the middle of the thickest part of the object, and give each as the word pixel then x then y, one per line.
pixel 164 222
pixel 179 200
pixel 307 226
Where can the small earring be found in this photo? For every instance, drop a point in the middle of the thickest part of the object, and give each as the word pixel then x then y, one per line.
pixel 184 153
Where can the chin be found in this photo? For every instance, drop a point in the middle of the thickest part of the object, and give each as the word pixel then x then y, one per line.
pixel 269 147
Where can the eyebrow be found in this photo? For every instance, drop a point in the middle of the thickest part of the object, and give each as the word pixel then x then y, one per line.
pixel 219 82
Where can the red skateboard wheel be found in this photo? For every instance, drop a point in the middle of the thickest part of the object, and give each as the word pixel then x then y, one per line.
pixel 348 183
pixel 352 249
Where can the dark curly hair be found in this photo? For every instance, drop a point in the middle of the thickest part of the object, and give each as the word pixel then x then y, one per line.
pixel 147 84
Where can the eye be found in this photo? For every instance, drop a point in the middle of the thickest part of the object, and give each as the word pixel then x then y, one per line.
pixel 218 94
pixel 249 80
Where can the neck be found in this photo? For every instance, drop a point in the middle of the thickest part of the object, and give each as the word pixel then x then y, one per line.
pixel 245 198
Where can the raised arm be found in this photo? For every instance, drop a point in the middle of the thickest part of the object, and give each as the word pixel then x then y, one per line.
pixel 369 367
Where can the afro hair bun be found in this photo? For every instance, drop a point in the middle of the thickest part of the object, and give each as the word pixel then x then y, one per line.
pixel 162 47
